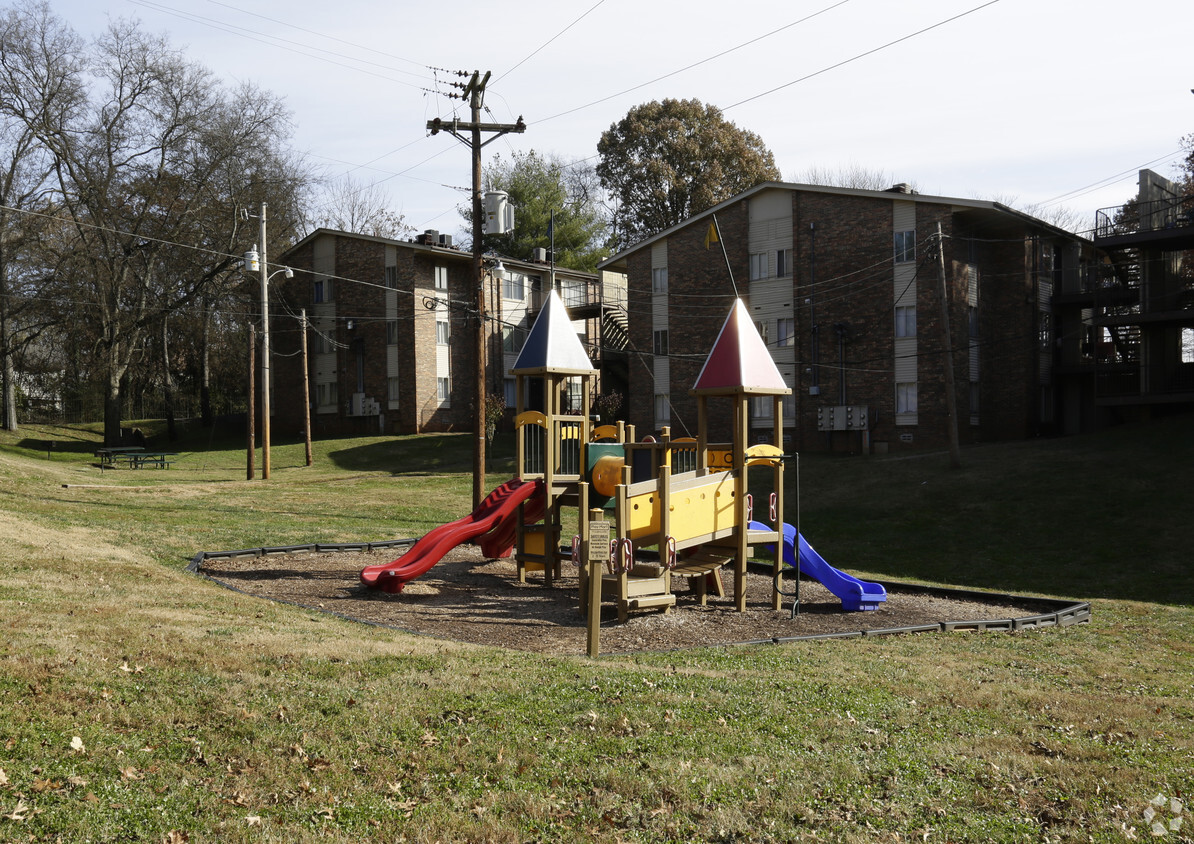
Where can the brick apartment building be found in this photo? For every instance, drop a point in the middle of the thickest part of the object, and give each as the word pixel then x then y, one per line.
pixel 843 286
pixel 391 342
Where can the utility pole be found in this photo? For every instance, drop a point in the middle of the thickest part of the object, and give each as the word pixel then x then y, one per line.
pixel 951 393
pixel 469 134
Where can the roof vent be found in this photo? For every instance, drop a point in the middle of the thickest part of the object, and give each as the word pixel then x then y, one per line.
pixel 902 187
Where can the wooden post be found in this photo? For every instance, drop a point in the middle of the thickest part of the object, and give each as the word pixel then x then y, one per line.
pixel 741 425
pixel 595 551
pixel 250 457
pixel 306 387
pixel 951 396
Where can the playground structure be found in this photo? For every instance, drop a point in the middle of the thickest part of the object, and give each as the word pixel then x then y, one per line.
pixel 680 507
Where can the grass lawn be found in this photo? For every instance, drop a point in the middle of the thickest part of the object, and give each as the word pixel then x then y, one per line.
pixel 141 703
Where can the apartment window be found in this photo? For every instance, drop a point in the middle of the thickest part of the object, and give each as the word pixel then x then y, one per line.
pixel 443 390
pixel 513 338
pixel 391 332
pixel 905 246
pixel 762 407
pixel 659 342
pixel 514 286
pixel 906 397
pixel 761 327
pixel 758 265
pixel 392 278
pixel 510 389
pixel 974 398
pixel 441 278
pixel 441 332
pixel 1188 345
pixel 574 395
pixel 327 395
pixel 1046 331
pixel 321 291
pixel 788 403
pixel 785 332
pixel 394 388
pixel 663 409
pixel 905 321
pixel 783 263
pixel 972 321
pixel 659 280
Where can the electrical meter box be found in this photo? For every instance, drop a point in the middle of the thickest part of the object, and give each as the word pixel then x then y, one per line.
pixel 843 417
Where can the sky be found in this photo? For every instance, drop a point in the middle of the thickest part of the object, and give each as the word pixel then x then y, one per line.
pixel 1028 102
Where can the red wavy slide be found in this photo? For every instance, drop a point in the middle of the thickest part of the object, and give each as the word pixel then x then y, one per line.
pixel 497 513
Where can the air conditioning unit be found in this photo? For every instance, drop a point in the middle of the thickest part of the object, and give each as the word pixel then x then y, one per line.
pixel 356 404
pixel 445 240
pixel 539 255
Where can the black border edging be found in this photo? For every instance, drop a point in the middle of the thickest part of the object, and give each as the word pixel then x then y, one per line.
pixel 1065 614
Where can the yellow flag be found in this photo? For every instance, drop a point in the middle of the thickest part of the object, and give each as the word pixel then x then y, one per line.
pixel 711 236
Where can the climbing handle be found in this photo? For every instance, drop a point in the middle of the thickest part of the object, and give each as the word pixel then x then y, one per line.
pixel 773 506
pixel 669 552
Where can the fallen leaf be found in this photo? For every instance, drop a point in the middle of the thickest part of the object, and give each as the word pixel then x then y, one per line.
pixel 76 744
pixel 3 779
pixel 130 773
pixel 253 820
pixel 77 782
pixel 19 813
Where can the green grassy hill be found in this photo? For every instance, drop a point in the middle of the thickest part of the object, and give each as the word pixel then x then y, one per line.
pixel 142 703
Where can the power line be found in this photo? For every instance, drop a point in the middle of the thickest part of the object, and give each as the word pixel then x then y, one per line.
pixel 861 55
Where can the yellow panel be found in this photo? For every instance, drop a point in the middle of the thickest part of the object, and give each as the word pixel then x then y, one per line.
pixel 532 543
pixel 720 460
pixel 763 454
pixel 695 511
pixel 530 417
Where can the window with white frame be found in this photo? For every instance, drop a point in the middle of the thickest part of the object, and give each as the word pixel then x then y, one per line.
pixel 758 265
pixel 441 278
pixel 391 332
pixel 783 263
pixel 394 388
pixel 663 409
pixel 788 403
pixel 443 390
pixel 659 342
pixel 321 291
pixel 514 286
pixel 905 246
pixel 441 330
pixel 785 331
pixel 512 338
pixel 392 278
pixel 327 395
pixel 905 321
pixel 906 397
pixel 762 407
pixel 659 280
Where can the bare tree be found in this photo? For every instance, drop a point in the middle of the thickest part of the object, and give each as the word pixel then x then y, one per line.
pixel 143 143
pixel 361 208
pixel 847 176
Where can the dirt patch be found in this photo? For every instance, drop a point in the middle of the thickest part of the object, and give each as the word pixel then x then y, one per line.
pixel 470 599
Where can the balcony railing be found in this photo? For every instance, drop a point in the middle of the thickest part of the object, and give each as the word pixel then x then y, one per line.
pixel 1141 217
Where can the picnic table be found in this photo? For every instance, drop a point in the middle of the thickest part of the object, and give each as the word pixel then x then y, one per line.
pixel 135 457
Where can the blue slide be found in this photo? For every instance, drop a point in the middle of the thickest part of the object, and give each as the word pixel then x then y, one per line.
pixel 856 594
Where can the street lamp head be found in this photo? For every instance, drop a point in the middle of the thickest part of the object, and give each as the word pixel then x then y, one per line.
pixel 289 273
pixel 500 270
